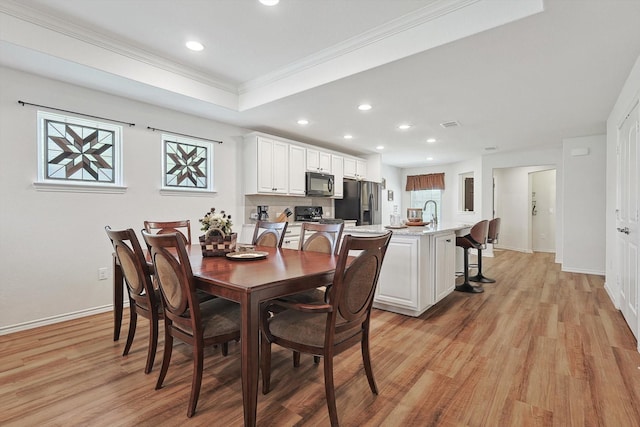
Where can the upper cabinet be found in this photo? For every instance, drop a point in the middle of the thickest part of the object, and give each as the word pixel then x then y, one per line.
pixel 297 170
pixel 337 169
pixel 318 161
pixel 267 168
pixel 274 165
pixel 355 168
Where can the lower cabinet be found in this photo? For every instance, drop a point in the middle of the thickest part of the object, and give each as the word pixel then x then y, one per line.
pixel 291 237
pixel 444 265
pixel 418 271
pixel 399 282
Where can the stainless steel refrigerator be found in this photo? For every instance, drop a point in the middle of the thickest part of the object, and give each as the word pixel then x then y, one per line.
pixel 361 201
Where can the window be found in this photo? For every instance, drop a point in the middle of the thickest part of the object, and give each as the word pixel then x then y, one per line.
pixel 77 154
pixel 187 164
pixel 420 197
pixel 465 201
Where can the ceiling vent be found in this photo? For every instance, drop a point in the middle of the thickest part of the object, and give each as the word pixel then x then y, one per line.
pixel 452 124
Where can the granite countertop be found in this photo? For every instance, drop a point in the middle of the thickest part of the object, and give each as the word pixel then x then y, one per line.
pixel 409 230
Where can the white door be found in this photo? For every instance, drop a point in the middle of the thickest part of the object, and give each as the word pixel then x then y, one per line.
pixel 628 212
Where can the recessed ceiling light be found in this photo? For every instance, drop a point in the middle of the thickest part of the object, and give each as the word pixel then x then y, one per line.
pixel 269 2
pixel 347 136
pixel 380 147
pixel 431 140
pixel 429 158
pixel 404 126
pixel 364 107
pixel 194 46
pixel 303 122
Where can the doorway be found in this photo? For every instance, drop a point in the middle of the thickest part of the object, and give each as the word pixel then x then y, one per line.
pixel 521 219
pixel 543 211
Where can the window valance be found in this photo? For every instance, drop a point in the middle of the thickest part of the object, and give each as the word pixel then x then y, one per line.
pixel 431 181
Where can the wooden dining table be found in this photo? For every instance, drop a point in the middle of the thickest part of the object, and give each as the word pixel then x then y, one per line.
pixel 249 283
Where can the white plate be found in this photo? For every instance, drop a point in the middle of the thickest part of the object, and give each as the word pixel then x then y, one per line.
pixel 247 256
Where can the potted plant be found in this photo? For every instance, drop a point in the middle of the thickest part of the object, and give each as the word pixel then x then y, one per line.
pixel 218 238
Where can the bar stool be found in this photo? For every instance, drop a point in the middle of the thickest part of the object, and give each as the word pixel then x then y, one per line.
pixel 492 237
pixel 476 238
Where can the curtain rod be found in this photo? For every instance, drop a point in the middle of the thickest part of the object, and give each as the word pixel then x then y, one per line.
pixel 183 134
pixel 75 112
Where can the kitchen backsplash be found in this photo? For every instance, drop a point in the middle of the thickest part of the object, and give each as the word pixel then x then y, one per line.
pixel 278 204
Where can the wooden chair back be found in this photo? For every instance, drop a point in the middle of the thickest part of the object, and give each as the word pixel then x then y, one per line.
pixel 479 233
pixel 325 237
pixel 269 233
pixel 137 274
pixel 494 230
pixel 182 226
pixel 175 279
pixel 354 283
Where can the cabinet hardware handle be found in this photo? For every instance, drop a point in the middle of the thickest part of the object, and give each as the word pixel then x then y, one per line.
pixel 448 240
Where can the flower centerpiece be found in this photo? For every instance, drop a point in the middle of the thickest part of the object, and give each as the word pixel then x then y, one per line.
pixel 218 238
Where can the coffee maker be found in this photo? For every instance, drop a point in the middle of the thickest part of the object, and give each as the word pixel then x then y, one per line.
pixel 262 213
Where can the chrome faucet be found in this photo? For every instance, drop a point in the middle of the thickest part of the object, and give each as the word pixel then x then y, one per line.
pixel 434 216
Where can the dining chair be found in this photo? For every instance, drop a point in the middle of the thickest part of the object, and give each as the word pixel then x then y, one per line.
pixel 216 321
pixel 269 233
pixel 319 237
pixel 476 239
pixel 164 227
pixel 492 237
pixel 329 328
pixel 315 237
pixel 144 300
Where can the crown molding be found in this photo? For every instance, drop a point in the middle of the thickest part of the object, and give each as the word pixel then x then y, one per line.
pixel 109 43
pixel 389 29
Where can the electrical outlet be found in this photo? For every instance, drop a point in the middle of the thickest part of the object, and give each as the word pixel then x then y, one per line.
pixel 253 215
pixel 102 273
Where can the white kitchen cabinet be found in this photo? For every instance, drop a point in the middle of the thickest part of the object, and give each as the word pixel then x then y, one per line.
pixel 292 237
pixel 297 170
pixel 267 166
pixel 337 169
pixel 246 234
pixel 361 169
pixel 349 167
pixel 444 265
pixel 400 277
pixel 318 161
pixel 355 168
pixel 418 269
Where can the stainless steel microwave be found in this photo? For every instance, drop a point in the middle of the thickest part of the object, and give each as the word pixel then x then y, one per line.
pixel 319 184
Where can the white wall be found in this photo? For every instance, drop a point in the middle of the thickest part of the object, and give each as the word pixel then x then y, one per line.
pixel 584 204
pixel 629 95
pixel 51 243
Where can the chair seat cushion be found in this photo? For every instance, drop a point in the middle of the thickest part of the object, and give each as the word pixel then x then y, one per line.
pixel 305 328
pixel 219 317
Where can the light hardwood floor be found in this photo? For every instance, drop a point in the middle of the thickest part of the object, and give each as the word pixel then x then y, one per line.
pixel 538 348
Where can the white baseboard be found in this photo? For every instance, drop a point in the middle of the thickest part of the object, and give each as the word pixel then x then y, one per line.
pixel 582 271
pixel 56 319
pixel 610 292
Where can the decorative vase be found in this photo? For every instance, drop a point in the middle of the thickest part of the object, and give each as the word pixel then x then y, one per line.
pixel 216 243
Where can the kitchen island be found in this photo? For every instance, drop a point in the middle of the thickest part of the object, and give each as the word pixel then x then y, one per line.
pixel 419 267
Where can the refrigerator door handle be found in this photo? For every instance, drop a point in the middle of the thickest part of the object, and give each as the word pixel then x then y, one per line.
pixel 371 205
